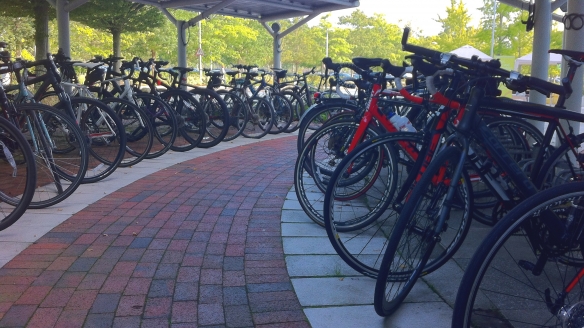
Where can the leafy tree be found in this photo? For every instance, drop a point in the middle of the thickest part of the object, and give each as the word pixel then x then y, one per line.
pixel 39 11
pixel 456 30
pixel 372 36
pixel 118 17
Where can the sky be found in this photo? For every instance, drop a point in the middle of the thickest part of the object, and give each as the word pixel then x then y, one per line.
pixel 418 14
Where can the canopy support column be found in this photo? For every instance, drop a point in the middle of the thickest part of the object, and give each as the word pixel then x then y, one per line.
pixel 573 41
pixel 64 37
pixel 182 44
pixel 540 58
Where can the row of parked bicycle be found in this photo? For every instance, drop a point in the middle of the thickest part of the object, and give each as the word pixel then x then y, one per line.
pixel 66 133
pixel 397 174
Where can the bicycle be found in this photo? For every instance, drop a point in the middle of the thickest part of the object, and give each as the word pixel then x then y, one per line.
pixel 528 269
pixel 102 128
pixel 421 222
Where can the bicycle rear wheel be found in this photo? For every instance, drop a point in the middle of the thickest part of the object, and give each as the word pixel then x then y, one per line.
pixel 163 120
pixel 260 118
pixel 283 113
pixel 412 249
pixel 237 113
pixel 519 277
pixel 217 116
pixel 323 151
pixel 191 119
pixel 17 174
pixel 297 109
pixel 357 216
pixel 137 127
pixel 60 150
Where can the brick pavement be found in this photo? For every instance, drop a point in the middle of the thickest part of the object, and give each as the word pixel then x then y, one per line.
pixel 196 244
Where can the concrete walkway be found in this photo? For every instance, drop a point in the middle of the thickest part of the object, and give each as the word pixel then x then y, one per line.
pixel 211 237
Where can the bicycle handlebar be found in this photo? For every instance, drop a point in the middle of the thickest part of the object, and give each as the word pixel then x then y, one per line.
pixel 491 67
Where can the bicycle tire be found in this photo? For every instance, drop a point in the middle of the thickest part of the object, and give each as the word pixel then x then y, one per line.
pixel 17 174
pixel 315 117
pixel 137 127
pixel 358 228
pixel 323 151
pixel 237 113
pixel 191 119
pixel 297 110
pixel 400 270
pixel 522 140
pixel 499 288
pixel 561 166
pixel 106 138
pixel 260 118
pixel 282 113
pixel 62 161
pixel 217 116
pixel 163 120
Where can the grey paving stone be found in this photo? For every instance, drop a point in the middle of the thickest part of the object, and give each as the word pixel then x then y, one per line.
pixel 291 205
pixel 318 265
pixel 409 315
pixel 302 230
pixel 349 291
pixel 295 216
pixel 307 245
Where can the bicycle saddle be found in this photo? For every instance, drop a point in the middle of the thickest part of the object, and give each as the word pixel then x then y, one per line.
pixel 232 73
pixel 183 70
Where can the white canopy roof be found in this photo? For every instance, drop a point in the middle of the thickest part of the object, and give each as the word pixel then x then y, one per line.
pixel 526 60
pixel 469 51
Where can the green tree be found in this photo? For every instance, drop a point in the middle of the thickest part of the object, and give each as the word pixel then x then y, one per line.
pixel 39 11
pixel 372 36
pixel 456 29
pixel 118 17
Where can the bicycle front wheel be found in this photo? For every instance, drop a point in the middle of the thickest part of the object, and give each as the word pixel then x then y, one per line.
pixel 216 116
pixel 60 151
pixel 137 127
pixel 282 113
pixel 191 119
pixel 17 174
pixel 237 113
pixel 412 249
pixel 259 119
pixel 104 133
pixel 519 277
pixel 357 216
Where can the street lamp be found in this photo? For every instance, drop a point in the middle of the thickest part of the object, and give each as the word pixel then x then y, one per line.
pixel 326 49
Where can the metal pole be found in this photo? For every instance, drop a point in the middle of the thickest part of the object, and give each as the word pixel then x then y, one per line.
pixel 277 50
pixel 326 50
pixel 200 57
pixel 493 28
pixel 63 27
pixel 573 41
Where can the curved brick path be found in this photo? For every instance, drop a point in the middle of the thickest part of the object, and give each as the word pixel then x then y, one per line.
pixel 196 244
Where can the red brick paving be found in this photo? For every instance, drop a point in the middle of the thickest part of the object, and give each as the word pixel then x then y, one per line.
pixel 196 244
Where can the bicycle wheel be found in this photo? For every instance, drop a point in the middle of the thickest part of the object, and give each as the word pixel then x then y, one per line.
pixel 565 164
pixel 137 127
pixel 237 114
pixel 412 249
pixel 522 140
pixel 282 113
pixel 190 116
pixel 60 150
pixel 297 109
pixel 315 117
pixel 217 116
pixel 359 226
pixel 322 153
pixel 17 174
pixel 105 134
pixel 516 277
pixel 260 118
pixel 163 120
